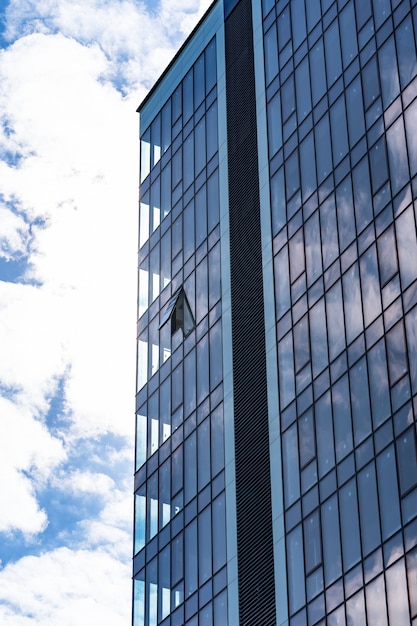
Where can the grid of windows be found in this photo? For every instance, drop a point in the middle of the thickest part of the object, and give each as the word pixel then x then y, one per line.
pixel 341 88
pixel 180 523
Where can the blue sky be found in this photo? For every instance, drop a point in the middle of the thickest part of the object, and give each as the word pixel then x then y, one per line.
pixel 72 73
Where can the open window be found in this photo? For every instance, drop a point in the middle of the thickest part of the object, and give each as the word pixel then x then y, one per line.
pixel 178 312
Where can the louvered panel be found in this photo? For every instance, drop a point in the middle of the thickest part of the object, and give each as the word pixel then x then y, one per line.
pixel 253 496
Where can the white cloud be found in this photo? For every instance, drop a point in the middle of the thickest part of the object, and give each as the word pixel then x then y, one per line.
pixel 29 455
pixel 14 233
pixel 65 587
pixel 68 205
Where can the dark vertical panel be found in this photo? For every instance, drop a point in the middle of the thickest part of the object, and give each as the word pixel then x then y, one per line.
pixel 254 517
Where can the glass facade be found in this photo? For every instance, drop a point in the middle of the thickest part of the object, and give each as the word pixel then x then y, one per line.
pixel 180 523
pixel 336 132
pixel 341 93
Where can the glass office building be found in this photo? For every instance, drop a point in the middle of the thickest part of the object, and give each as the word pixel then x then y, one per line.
pixel 276 457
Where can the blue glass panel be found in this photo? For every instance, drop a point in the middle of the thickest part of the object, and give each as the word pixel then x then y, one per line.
pixel 190 558
pixel 323 148
pixel 308 166
pixel 324 429
pixel 190 462
pixel 362 195
pixel 371 289
pixel 295 563
pixel 274 125
pixel 382 10
pixel 407 246
pixel 406 50
pixel 282 283
pixel 352 303
pixel 188 160
pixel 271 54
pixel 211 69
pixel 286 370
pixel 298 22
pixel 345 212
pixel 388 493
pixel 411 124
pixel 348 34
pixel 313 248
pixel 339 130
pixel 398 611
pixel 312 542
pixel 342 418
pixel 333 53
pixel 318 68
pixel 204 545
pixel 331 540
pixel 351 547
pixel 318 337
pixel 291 467
pixel 302 81
pixel 361 411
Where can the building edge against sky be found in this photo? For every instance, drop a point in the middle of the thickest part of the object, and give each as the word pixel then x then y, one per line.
pixel 276 466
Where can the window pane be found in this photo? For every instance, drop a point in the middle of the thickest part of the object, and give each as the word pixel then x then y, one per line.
pixel 407 246
pixel 335 320
pixel 219 533
pixel 332 48
pixel 407 460
pixel 325 443
pixel 379 165
pixel 291 468
pixel 190 462
pixel 331 540
pixel 302 82
pixel 211 130
pixel 271 54
pixel 397 358
pixel 286 370
pixel 317 64
pixel 318 337
pixel 307 438
pixel 398 161
pixel 330 246
pixel 323 149
pixel 361 411
pixel 368 508
pixel 339 130
pixel 313 248
pixel 274 125
pixel 190 556
pixel 351 547
pixel 371 290
pixel 345 213
pixel 203 441
pixel 348 34
pixel 352 303
pixel 354 109
pixel 397 594
pixel 378 380
pixel 362 195
pixel 295 569
pixel 282 282
pixel 204 545
pixel 312 541
pixel 388 493
pixel 375 602
pixel 387 255
pixel 308 166
pixel 188 158
pixel 342 419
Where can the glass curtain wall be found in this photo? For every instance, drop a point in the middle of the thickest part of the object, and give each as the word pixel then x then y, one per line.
pixel 180 528
pixel 341 90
